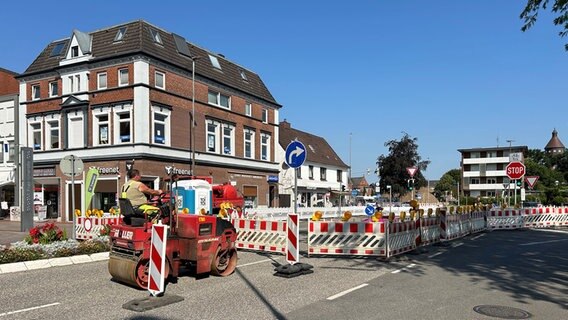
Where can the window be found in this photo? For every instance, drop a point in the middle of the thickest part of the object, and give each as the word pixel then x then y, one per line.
pixel 53 89
pixel 311 172
pixel 74 51
pixel 161 126
pixel 249 143
pixel 75 130
pixel 474 181
pixel 219 99
pixel 248 109
pixel 122 124
pixel 123 77
pixel 101 126
pixel 120 34
pixel 265 147
pixel 71 84
pixel 101 80
pixel 35 129
pixel 228 139
pixel 243 75
pixel 11 151
pixel 156 36
pixel 265 115
pixel 323 174
pixel 78 78
pixel 215 62
pixel 339 175
pixel 299 173
pixel 53 134
pixel 212 142
pixel 35 92
pixel 491 181
pixel 160 80
pixel 57 49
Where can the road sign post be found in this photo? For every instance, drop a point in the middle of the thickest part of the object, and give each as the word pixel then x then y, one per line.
pixel 515 170
pixel 72 166
pixel 295 158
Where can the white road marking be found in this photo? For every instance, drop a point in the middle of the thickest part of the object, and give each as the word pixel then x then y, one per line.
pixel 397 271
pixel 541 242
pixel 335 296
pixel 477 237
pixel 256 262
pixel 403 269
pixel 457 245
pixel 435 254
pixel 551 230
pixel 29 309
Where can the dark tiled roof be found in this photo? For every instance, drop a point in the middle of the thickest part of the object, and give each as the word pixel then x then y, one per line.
pixel 554 142
pixel 8 71
pixel 318 150
pixel 138 39
pixel 359 182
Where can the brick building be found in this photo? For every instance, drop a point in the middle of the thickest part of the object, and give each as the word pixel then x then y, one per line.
pixel 127 93
pixel 8 101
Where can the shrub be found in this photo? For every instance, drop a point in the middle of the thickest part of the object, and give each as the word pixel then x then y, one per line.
pixel 45 234
pixel 22 251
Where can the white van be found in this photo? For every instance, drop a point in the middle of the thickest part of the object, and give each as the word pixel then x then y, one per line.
pixel 365 200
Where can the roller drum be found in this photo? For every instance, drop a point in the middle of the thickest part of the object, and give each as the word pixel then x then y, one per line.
pixel 123 270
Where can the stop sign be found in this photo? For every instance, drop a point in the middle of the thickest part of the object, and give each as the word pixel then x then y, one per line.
pixel 515 170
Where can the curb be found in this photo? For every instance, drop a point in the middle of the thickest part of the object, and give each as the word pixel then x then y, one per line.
pixel 53 262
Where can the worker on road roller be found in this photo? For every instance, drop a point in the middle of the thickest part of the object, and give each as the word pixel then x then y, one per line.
pixel 135 191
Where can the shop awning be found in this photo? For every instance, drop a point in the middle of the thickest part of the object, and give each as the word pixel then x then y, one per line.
pixel 6 177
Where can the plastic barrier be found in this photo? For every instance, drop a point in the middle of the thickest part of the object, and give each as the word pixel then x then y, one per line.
pixel 260 235
pixel 504 219
pixel 347 238
pixel 478 221
pixel 429 230
pixel 450 227
pixel 401 237
pixel 90 228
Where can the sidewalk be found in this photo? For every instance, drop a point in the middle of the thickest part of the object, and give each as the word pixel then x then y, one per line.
pixel 10 230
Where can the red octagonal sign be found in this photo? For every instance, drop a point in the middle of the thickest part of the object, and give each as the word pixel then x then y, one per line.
pixel 515 170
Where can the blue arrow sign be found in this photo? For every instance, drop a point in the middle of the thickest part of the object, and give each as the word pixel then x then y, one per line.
pixel 295 154
pixel 369 210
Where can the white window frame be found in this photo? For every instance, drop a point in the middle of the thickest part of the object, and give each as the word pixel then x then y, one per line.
pixel 75 51
pixel 250 143
pixel 49 130
pixel 78 78
pixel 119 110
pixel 100 75
pixel 212 137
pixel 53 84
pixel 97 113
pixel 217 99
pixel 248 109
pixel 163 75
pixel 120 71
pixel 74 116
pixel 36 92
pixel 215 62
pixel 265 147
pixel 311 172
pixel 166 122
pixel 323 174
pixel 32 129
pixel 265 115
pixel 230 137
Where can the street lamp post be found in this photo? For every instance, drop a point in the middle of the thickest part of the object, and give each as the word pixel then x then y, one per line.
pixel 192 128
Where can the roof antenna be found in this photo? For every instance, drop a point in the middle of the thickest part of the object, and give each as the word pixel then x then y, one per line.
pixel 497 141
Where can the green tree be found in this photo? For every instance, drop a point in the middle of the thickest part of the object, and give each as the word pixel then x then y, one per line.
pixel 403 154
pixel 552 171
pixel 447 185
pixel 533 7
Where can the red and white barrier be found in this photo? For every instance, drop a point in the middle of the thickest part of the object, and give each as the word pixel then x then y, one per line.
pixel 401 237
pixel 90 228
pixel 429 230
pixel 504 219
pixel 346 238
pixel 293 243
pixel 156 271
pixel 260 235
pixel 478 221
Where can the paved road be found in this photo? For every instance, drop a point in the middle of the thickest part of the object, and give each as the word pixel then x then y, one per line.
pixel 520 269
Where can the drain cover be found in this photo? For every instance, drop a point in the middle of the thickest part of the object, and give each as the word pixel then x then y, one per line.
pixel 502 312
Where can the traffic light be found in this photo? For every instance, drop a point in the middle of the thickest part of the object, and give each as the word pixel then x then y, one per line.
pixel 410 184
pixel 342 188
pixel 519 182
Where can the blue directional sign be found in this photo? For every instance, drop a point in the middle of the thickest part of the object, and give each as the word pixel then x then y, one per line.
pixel 369 210
pixel 295 154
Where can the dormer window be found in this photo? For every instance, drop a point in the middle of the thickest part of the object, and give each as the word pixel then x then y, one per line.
pixel 215 62
pixel 120 34
pixel 57 49
pixel 74 51
pixel 156 36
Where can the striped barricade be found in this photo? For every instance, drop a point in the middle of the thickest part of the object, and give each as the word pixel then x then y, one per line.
pixel 90 228
pixel 504 219
pixel 464 223
pixel 401 237
pixel 539 218
pixel 478 221
pixel 261 235
pixel 346 238
pixel 450 227
pixel 429 230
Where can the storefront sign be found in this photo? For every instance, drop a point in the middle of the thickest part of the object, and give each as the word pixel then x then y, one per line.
pixel 272 179
pixel 107 170
pixel 44 172
pixel 180 172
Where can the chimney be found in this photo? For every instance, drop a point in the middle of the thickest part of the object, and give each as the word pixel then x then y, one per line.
pixel 285 124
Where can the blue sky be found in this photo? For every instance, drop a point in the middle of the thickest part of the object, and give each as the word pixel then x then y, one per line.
pixel 453 74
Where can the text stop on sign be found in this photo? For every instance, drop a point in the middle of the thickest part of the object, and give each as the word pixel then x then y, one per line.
pixel 515 170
